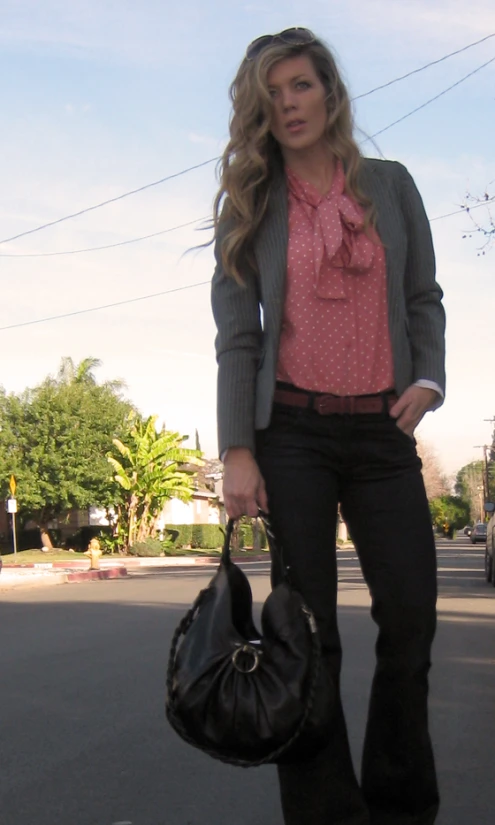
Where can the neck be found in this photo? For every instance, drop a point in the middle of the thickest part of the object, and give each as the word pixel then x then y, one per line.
pixel 315 165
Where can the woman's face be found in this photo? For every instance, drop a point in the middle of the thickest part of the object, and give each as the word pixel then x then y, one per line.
pixel 299 114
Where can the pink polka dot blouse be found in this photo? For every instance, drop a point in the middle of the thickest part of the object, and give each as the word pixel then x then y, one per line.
pixel 335 336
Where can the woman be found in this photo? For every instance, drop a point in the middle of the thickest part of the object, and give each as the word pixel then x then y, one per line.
pixel 330 350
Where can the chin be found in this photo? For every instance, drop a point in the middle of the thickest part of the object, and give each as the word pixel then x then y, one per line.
pixel 302 144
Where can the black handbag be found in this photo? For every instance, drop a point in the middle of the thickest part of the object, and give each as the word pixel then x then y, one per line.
pixel 240 696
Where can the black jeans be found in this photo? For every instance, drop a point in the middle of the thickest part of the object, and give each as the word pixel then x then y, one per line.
pixel 310 463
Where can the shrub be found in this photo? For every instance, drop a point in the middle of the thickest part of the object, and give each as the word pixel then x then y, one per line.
pixel 180 535
pixel 252 535
pixel 197 536
pixel 211 536
pixel 207 536
pixel 148 547
pixel 109 543
pixel 80 540
pixel 31 539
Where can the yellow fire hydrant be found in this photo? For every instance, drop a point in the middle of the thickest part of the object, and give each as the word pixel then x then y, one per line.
pixel 94 553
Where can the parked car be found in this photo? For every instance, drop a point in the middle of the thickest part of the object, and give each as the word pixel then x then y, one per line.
pixel 478 533
pixel 490 551
pixel 467 530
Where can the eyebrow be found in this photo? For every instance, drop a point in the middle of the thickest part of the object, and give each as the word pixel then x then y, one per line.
pixel 292 79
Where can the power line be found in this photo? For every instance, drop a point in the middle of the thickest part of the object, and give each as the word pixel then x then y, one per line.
pixel 110 200
pixel 427 103
pixel 422 68
pixel 104 306
pixel 213 160
pixel 177 289
pixel 465 210
pixel 98 248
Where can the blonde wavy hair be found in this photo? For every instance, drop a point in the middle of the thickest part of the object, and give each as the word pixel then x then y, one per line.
pixel 247 167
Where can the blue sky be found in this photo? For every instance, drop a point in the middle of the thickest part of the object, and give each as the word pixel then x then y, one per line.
pixel 102 97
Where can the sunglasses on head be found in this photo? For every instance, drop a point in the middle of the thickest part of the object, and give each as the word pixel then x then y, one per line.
pixel 289 37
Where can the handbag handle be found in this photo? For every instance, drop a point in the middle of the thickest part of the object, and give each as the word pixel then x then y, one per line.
pixel 264 517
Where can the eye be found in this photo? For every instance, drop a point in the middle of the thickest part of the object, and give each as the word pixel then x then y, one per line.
pixel 303 84
pixel 272 92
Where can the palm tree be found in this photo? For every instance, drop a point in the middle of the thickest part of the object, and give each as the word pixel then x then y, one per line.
pixel 150 468
pixel 71 373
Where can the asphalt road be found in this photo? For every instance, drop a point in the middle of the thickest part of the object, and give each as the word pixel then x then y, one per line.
pixel 83 735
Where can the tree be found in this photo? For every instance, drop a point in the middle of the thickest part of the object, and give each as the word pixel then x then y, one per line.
pixel 469 485
pixel 148 467
pixel 449 513
pixel 82 373
pixel 54 439
pixel 435 481
pixel 486 228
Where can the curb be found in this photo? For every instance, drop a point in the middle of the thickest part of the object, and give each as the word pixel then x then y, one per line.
pixel 96 575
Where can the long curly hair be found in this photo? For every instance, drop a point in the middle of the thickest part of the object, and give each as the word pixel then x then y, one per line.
pixel 251 157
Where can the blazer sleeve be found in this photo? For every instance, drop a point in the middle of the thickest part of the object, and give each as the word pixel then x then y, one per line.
pixel 423 295
pixel 238 344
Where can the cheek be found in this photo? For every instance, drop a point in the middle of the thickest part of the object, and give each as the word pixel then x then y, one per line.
pixel 320 115
pixel 275 123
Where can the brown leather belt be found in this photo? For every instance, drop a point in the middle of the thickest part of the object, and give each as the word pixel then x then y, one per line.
pixel 337 404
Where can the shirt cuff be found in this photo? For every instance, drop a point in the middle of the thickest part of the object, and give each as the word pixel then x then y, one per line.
pixel 432 385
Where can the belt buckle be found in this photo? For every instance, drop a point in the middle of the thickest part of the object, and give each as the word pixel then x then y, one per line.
pixel 325 404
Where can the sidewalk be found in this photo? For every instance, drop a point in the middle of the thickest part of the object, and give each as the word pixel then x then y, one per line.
pixel 130 562
pixel 24 577
pixel 70 571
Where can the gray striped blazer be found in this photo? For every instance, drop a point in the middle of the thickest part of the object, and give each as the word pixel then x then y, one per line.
pixel 249 317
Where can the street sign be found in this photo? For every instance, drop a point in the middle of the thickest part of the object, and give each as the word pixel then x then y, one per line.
pixel 12 486
pixel 12 505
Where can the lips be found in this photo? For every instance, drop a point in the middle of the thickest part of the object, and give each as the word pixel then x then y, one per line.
pixel 295 126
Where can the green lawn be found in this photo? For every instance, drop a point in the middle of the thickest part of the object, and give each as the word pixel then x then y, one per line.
pixel 38 557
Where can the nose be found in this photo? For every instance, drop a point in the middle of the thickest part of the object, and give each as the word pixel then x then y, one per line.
pixel 287 100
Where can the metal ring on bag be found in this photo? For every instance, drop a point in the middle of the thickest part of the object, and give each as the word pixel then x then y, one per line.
pixel 249 651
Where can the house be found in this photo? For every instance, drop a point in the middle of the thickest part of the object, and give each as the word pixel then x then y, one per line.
pixel 204 508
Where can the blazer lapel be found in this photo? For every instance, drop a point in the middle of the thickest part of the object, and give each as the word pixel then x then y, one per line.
pixel 391 229
pixel 374 187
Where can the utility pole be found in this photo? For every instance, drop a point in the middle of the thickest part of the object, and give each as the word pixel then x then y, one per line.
pixel 484 472
pixel 491 421
pixel 486 451
pixel 486 481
